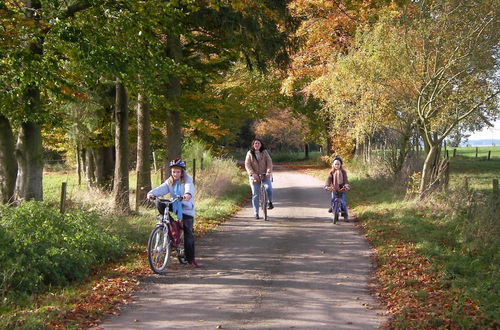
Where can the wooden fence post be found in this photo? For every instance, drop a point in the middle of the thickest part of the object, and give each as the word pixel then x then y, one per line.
pixel 201 163
pixel 466 183
pixel 194 170
pixel 476 151
pixel 62 205
pixel 454 152
pixel 447 173
pixel 489 155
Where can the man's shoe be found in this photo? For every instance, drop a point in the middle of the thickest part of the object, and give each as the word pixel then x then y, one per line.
pixel 194 264
pixel 257 216
pixel 270 206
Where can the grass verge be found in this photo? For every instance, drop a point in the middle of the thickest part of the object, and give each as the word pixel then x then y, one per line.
pixel 83 303
pixel 438 262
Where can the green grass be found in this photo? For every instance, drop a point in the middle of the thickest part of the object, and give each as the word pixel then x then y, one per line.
pixel 32 312
pixel 480 173
pixel 470 152
pixel 280 157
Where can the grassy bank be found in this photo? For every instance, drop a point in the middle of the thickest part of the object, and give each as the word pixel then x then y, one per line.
pixel 438 259
pixel 79 302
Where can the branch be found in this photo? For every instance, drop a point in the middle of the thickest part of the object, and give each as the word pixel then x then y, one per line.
pixel 75 8
pixel 344 12
pixel 465 115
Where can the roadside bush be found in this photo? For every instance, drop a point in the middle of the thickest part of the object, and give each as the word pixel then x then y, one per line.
pixel 219 176
pixel 40 247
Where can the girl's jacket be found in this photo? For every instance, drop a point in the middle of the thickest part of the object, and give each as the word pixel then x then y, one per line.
pixel 187 187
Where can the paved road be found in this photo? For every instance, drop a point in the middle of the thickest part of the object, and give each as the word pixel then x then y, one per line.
pixel 297 270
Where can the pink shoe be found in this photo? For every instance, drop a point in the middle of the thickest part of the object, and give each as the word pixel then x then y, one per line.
pixel 194 264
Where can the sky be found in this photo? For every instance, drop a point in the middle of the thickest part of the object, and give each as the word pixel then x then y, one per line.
pixel 487 133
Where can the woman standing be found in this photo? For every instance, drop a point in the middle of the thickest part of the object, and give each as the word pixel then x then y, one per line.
pixel 258 162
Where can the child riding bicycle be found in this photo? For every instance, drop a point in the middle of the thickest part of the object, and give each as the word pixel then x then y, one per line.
pixel 180 184
pixel 337 182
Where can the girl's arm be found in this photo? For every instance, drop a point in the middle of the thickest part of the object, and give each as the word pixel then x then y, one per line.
pixel 248 164
pixel 161 190
pixel 189 186
pixel 269 166
pixel 329 180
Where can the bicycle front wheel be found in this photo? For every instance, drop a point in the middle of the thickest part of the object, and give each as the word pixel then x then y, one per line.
pixel 336 211
pixel 159 247
pixel 263 201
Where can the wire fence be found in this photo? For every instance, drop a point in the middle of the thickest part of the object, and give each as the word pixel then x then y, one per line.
pixel 63 187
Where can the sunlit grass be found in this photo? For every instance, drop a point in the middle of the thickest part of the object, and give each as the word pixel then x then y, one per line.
pixel 435 231
pixel 220 189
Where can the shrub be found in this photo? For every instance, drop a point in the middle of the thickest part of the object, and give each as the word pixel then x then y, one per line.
pixel 217 178
pixel 40 247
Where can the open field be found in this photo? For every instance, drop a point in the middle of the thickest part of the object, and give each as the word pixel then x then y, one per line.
pixel 482 152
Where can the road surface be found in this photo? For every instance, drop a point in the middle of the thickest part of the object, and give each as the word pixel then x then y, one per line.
pixel 296 271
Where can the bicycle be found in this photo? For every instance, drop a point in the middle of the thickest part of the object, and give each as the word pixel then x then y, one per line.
pixel 263 199
pixel 165 237
pixel 336 203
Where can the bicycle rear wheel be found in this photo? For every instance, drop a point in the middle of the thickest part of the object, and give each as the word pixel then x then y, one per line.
pixel 159 247
pixel 263 201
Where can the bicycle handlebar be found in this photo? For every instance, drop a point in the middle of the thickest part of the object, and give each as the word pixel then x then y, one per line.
pixel 166 201
pixel 330 188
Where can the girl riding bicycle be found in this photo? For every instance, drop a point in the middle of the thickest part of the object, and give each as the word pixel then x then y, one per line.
pixel 180 184
pixel 337 182
pixel 259 162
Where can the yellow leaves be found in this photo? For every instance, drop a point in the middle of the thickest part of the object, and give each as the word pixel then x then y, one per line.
pixel 281 127
pixel 412 288
pixel 73 93
pixel 207 128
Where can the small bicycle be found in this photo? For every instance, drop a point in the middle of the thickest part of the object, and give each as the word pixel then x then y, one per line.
pixel 167 237
pixel 336 203
pixel 263 199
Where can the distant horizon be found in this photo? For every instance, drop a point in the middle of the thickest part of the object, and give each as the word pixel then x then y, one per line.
pixel 487 133
pixel 480 142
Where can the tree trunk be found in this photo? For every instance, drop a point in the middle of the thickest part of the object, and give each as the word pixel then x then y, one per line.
pixel 104 166
pixel 8 163
pixel 29 152
pixel 89 167
pixel 120 187
pixel 79 164
pixel 430 164
pixel 174 120
pixel 143 151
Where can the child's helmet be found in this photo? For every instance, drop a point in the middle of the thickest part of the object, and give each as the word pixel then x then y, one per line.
pixel 337 158
pixel 177 163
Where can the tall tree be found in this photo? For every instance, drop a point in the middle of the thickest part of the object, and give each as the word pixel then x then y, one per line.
pixel 143 166
pixel 452 48
pixel 173 92
pixel 32 71
pixel 121 181
pixel 213 36
pixel 8 165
